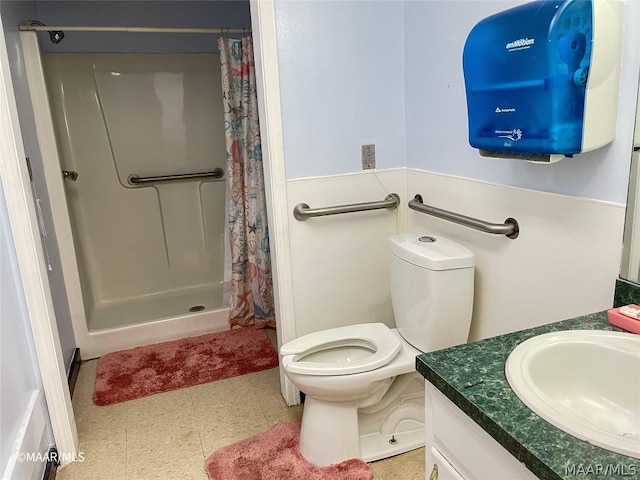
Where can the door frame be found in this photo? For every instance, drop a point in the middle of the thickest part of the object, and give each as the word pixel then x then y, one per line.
pixel 263 22
pixel 31 263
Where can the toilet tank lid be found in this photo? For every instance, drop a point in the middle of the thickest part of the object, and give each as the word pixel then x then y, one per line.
pixel 433 252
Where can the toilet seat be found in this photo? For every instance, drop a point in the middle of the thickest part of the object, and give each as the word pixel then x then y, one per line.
pixel 373 336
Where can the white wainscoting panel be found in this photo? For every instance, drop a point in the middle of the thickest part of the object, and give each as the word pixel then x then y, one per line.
pixel 563 264
pixel 339 262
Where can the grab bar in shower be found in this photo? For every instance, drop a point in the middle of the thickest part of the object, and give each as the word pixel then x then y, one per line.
pixel 510 227
pixel 136 180
pixel 302 211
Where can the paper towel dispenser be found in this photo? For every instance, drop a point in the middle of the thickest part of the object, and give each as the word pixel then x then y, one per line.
pixel 541 79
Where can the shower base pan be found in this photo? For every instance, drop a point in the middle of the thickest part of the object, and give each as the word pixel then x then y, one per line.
pixel 153 308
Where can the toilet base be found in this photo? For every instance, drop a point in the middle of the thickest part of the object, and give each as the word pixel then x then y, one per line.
pixel 332 432
pixel 376 446
pixel 394 425
pixel 329 432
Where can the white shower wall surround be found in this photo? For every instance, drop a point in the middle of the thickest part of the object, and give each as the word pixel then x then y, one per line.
pixel 144 253
pixel 563 264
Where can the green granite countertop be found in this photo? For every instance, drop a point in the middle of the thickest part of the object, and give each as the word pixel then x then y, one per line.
pixel 473 377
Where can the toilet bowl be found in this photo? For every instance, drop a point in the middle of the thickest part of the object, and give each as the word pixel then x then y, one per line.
pixel 316 356
pixel 364 398
pixel 336 404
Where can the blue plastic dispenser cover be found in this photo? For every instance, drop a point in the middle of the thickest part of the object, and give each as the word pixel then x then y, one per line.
pixel 525 73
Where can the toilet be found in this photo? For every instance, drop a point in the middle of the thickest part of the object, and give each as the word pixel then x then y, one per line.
pixel 363 397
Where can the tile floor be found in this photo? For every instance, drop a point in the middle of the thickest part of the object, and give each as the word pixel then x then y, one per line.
pixel 169 435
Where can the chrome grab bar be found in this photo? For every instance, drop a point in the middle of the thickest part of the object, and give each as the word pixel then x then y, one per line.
pixel 302 211
pixel 510 227
pixel 136 180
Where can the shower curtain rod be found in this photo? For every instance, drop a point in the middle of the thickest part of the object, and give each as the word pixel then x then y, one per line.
pixel 67 28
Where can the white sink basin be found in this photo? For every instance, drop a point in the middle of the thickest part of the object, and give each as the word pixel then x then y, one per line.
pixel 585 382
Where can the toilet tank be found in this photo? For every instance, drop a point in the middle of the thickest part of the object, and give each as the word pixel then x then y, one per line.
pixel 431 279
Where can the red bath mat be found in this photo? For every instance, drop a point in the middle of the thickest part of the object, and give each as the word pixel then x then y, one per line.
pixel 143 371
pixel 274 455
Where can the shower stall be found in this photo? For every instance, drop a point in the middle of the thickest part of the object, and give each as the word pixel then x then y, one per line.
pixel 134 153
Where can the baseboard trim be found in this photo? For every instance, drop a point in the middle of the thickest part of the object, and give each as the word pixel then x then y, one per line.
pixel 74 369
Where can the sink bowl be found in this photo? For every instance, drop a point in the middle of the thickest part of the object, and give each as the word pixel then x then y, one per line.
pixel 585 382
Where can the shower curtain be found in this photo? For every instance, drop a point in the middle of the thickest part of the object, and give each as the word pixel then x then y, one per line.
pixel 251 295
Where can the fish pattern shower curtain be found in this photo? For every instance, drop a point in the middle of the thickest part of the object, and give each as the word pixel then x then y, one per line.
pixel 251 299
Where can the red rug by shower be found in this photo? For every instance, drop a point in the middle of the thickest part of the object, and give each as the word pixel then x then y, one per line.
pixel 143 371
pixel 274 455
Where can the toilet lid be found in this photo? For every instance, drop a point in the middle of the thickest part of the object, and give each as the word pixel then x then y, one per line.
pixel 375 336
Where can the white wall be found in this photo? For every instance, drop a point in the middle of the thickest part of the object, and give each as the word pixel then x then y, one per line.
pixel 567 257
pixel 437 134
pixel 14 13
pixel 335 57
pixel 23 416
pixel 340 262
pixel 341 78
pixel 564 262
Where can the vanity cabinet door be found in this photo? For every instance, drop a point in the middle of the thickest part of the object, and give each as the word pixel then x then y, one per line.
pixel 440 469
pixel 471 452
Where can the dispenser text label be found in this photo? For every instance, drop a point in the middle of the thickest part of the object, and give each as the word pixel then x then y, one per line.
pixel 513 135
pixel 520 44
pixel 504 110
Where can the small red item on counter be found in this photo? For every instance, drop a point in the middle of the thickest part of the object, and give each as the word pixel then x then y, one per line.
pixel 626 317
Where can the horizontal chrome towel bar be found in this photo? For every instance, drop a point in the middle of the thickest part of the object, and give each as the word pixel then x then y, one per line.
pixel 302 211
pixel 510 227
pixel 136 180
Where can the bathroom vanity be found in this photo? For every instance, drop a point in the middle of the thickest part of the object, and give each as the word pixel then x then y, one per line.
pixel 477 428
